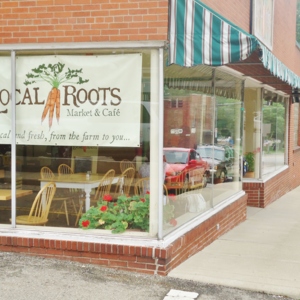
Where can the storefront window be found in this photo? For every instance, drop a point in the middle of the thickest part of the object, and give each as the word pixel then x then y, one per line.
pixel 83 122
pixel 274 128
pixel 296 125
pixel 202 140
pixel 265 127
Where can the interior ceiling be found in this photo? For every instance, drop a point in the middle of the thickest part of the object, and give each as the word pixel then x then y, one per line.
pixel 254 68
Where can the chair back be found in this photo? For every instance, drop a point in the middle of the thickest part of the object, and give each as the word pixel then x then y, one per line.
pixel 42 202
pixel 64 169
pixel 46 173
pixel 105 185
pixel 124 183
pixel 125 164
pixel 142 186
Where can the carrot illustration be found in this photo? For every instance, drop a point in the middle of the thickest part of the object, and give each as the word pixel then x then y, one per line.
pixel 52 105
pixel 57 105
pixel 46 108
pixel 53 74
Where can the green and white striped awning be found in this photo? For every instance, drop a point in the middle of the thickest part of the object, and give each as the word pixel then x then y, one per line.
pixel 198 35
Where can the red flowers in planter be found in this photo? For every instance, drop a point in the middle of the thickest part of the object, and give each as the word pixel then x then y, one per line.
pixel 85 223
pixel 103 208
pixel 107 198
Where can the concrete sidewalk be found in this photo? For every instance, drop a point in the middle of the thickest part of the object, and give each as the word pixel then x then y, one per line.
pixel 261 254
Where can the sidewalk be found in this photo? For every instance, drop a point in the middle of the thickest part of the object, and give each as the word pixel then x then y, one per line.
pixel 261 254
pixel 28 277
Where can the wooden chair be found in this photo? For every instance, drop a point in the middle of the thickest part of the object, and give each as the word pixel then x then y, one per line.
pixel 104 185
pixel 64 169
pixel 46 173
pixel 124 183
pixel 125 164
pixel 102 189
pixel 39 211
pixel 142 186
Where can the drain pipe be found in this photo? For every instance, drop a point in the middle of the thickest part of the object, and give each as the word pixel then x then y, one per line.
pixel 251 17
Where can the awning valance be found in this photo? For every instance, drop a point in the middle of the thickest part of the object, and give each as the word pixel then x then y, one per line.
pixel 199 35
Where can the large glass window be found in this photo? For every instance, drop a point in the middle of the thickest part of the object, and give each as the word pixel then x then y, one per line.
pixel 296 125
pixel 83 122
pixel 202 140
pixel 265 132
pixel 274 129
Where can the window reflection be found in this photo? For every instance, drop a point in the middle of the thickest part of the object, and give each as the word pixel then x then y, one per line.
pixel 202 139
pixel 274 120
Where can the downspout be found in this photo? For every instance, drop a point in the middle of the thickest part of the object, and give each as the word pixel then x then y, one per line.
pixel 251 17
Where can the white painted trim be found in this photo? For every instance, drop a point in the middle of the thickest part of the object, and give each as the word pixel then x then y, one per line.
pixel 82 46
pixel 266 177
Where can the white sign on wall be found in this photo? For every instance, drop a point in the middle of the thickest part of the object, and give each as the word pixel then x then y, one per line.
pixel 263 21
pixel 76 100
pixel 176 131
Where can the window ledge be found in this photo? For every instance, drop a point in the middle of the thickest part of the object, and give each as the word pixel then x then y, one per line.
pixel 267 177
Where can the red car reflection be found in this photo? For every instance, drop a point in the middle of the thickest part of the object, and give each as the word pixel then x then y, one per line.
pixel 180 163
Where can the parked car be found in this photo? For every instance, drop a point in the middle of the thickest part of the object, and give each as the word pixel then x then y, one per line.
pixel 221 160
pixel 182 166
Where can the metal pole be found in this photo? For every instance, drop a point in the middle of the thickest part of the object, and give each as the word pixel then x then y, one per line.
pixel 13 140
pixel 160 141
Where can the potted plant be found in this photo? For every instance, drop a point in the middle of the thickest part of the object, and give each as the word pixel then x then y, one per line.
pixel 250 159
pixel 118 216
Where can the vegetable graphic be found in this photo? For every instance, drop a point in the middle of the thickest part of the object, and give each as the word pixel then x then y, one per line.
pixel 53 74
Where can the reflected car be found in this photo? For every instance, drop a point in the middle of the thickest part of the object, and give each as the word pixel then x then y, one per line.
pixel 221 160
pixel 181 161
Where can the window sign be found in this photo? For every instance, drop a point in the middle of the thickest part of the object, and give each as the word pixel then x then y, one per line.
pixel 263 20
pixel 78 100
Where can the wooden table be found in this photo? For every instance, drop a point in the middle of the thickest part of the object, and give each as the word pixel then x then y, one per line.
pixel 6 194
pixel 78 181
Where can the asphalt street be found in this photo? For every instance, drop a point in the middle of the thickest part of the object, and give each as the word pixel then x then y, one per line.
pixel 24 277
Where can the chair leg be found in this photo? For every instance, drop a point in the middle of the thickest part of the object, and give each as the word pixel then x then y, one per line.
pixel 79 214
pixel 66 212
pixel 74 206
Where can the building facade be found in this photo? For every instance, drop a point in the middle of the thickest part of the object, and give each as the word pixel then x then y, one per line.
pixel 146 117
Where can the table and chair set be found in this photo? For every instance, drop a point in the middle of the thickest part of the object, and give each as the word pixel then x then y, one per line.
pixel 67 191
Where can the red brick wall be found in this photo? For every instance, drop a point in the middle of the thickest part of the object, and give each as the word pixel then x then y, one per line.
pixel 237 11
pixel 133 258
pixel 57 21
pixel 262 194
pixel 284 36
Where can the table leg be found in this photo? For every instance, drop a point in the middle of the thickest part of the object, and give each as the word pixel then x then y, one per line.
pixel 87 190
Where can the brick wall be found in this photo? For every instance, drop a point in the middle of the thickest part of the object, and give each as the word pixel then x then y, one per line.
pixel 133 258
pixel 284 31
pixel 60 21
pixel 237 11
